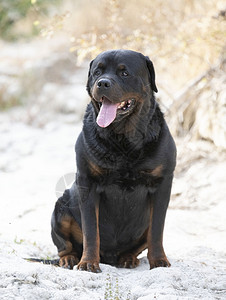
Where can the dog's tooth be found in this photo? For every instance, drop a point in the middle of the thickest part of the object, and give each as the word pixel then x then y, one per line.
pixel 121 104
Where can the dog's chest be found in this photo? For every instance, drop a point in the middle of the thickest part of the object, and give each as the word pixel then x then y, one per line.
pixel 124 213
pixel 126 176
pixel 123 201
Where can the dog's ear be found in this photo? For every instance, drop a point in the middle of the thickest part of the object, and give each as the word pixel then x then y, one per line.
pixel 90 65
pixel 88 81
pixel 151 73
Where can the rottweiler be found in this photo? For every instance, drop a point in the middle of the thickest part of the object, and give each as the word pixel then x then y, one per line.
pixel 125 159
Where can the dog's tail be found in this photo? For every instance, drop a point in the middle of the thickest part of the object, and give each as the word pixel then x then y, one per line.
pixel 54 262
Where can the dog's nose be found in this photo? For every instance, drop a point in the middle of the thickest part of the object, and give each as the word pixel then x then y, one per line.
pixel 104 83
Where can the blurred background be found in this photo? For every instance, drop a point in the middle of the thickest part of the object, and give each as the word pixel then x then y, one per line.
pixel 45 49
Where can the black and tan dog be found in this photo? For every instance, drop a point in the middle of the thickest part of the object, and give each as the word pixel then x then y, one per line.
pixel 125 162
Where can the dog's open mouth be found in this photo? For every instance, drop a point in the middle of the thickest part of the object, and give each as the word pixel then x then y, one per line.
pixel 109 111
pixel 122 107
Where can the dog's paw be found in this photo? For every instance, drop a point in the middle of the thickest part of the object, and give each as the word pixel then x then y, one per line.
pixel 68 261
pixel 90 266
pixel 159 262
pixel 128 260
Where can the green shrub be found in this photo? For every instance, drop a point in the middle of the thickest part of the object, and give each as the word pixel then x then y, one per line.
pixel 14 11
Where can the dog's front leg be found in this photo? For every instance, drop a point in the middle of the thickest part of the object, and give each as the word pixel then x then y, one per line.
pixel 159 204
pixel 89 207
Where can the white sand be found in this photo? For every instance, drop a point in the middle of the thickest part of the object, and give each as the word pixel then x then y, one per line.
pixel 33 160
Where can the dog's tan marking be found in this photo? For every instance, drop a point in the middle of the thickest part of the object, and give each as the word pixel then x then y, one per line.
pixel 157 172
pixel 95 169
pixel 70 227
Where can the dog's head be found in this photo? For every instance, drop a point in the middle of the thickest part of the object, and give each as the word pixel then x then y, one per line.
pixel 119 82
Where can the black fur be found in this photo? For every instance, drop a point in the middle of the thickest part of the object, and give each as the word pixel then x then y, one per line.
pixel 124 173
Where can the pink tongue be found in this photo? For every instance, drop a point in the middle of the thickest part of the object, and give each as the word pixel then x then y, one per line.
pixel 107 113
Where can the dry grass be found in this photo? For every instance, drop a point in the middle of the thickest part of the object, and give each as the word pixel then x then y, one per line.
pixel 183 37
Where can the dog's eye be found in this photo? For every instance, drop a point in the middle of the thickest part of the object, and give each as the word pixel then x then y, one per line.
pixel 97 72
pixel 124 73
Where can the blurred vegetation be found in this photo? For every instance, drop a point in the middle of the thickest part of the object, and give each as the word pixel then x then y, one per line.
pixel 14 14
pixel 159 27
pixel 189 32
pixel 177 33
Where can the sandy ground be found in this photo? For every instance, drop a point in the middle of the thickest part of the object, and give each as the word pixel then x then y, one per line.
pixel 33 160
